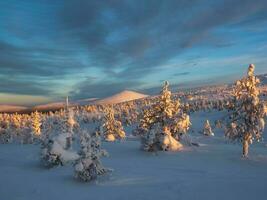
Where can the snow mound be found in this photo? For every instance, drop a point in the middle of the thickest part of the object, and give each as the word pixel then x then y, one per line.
pixel 123 96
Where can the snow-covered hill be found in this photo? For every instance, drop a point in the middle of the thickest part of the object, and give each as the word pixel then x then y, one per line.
pixel 123 96
pixel 12 108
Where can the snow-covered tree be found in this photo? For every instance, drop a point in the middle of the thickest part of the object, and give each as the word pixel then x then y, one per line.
pixel 163 123
pixel 35 126
pixel 6 132
pixel 112 128
pixel 67 124
pixel 89 166
pixel 247 111
pixel 54 151
pixel 207 129
pixel 57 150
pixel 218 124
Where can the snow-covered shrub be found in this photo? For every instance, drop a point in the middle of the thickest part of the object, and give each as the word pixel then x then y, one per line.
pixel 207 129
pixel 163 123
pixel 112 128
pixel 247 111
pixel 89 166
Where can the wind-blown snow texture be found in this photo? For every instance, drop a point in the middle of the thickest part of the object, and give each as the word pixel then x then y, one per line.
pixel 214 170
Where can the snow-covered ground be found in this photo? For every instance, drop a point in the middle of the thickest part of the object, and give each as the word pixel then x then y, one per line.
pixel 215 170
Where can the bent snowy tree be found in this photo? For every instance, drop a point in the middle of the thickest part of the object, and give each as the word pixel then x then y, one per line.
pixel 163 123
pixel 247 111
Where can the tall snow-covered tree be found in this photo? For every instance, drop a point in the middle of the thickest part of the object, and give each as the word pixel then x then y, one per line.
pixel 89 166
pixel 162 124
pixel 35 125
pixel 247 111
pixel 112 128
pixel 67 124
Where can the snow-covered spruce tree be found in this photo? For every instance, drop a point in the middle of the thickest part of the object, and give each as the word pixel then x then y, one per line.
pixel 247 113
pixel 207 129
pixel 57 150
pixel 67 125
pixel 163 123
pixel 35 126
pixel 112 128
pixel 89 166
pixel 54 151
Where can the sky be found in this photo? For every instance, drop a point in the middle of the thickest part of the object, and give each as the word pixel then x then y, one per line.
pixel 50 49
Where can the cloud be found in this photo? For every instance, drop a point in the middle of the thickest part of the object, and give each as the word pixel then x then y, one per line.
pixel 181 74
pixel 150 33
pixel 22 86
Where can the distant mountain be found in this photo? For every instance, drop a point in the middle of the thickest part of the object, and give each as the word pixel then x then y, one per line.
pixel 12 108
pixel 50 106
pixel 123 96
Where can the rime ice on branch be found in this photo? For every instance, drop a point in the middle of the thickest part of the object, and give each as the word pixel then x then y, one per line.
pixel 247 111
pixel 163 123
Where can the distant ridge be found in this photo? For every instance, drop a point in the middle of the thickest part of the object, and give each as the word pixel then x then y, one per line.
pixel 60 105
pixel 12 108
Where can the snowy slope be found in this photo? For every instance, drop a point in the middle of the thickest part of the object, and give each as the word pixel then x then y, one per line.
pixel 123 96
pixel 214 170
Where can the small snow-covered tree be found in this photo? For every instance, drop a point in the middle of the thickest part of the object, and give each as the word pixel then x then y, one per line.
pixel 112 128
pixel 207 129
pixel 163 123
pixel 218 124
pixel 247 111
pixel 89 166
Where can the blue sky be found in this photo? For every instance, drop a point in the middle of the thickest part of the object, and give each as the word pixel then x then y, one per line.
pixel 51 49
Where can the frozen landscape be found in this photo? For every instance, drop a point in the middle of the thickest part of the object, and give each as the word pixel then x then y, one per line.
pixel 133 100
pixel 214 170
